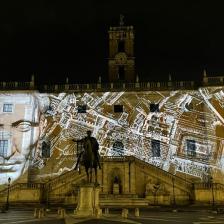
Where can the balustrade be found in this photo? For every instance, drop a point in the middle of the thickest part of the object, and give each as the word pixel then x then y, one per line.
pixel 116 86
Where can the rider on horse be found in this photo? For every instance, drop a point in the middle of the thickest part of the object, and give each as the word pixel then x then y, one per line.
pixel 89 144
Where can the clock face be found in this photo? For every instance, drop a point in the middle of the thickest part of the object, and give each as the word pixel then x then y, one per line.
pixel 121 58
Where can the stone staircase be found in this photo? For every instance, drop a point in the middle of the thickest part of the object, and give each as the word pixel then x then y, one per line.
pixel 165 176
pixel 53 191
pixel 16 192
pixel 57 189
pixel 63 189
pixel 121 201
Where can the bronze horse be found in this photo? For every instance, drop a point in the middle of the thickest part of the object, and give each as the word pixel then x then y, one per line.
pixel 89 157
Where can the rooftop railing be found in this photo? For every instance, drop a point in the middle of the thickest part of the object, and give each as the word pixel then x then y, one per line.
pixel 213 81
pixel 113 86
pixel 97 86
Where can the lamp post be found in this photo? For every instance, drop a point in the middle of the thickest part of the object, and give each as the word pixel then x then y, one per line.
pixel 213 197
pixel 174 199
pixel 7 201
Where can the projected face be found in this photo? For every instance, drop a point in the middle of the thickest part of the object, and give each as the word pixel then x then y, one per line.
pixel 19 132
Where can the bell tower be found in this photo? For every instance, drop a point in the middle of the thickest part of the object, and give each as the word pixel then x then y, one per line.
pixel 121 61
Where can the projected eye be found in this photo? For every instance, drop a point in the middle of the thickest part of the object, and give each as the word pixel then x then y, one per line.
pixel 23 126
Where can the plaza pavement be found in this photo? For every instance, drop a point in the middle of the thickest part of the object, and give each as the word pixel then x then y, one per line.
pixel 188 215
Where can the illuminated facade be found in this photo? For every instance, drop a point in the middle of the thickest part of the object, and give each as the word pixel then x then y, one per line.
pixel 183 136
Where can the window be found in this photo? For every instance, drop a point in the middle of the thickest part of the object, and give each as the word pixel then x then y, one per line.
pixel 118 149
pixel 3 147
pixel 118 108
pixel 82 109
pixel 154 107
pixel 191 147
pixel 121 73
pixel 121 47
pixel 155 145
pixel 46 149
pixel 7 107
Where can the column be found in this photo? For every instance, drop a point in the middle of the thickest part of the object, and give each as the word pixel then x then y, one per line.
pixel 132 178
pixel 126 178
pixel 104 177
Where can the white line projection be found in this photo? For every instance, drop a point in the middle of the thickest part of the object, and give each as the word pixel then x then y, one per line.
pixel 185 137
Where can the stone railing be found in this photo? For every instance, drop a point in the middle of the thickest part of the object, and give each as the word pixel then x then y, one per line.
pixel 51 184
pixel 22 186
pixel 16 86
pixel 209 186
pixel 60 180
pixel 213 81
pixel 117 86
pixel 58 188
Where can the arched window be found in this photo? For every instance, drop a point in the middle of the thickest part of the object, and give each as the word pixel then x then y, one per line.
pixel 121 72
pixel 118 149
pixel 121 46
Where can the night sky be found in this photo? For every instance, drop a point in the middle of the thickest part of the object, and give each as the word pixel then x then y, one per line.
pixel 69 38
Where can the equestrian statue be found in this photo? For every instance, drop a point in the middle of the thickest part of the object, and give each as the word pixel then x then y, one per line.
pixel 89 156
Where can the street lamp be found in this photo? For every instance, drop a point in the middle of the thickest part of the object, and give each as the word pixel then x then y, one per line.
pixel 174 199
pixel 213 197
pixel 7 201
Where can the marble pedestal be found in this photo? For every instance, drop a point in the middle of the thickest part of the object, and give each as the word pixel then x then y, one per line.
pixel 88 201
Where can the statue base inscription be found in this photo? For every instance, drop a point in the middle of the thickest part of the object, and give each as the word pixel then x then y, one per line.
pixel 88 201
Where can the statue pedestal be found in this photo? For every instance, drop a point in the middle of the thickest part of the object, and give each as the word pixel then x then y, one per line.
pixel 88 201
pixel 115 188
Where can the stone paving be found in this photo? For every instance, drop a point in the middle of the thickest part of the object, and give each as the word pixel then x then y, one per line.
pixel 199 216
pixel 27 217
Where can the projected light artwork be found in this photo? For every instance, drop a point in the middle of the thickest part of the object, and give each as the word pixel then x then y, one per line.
pixel 184 134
